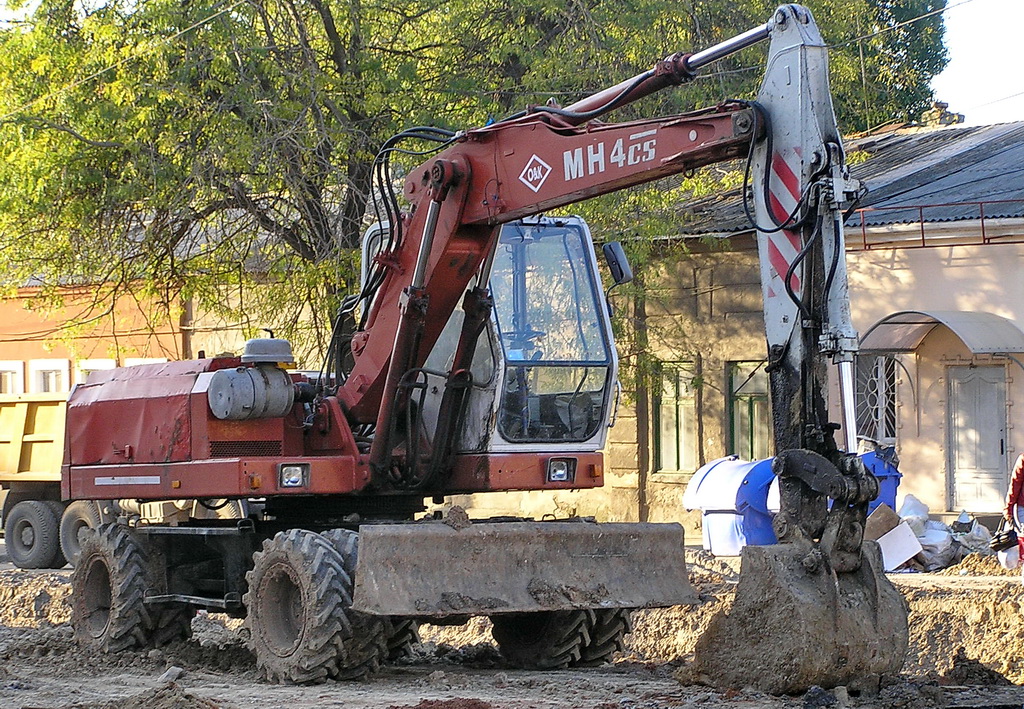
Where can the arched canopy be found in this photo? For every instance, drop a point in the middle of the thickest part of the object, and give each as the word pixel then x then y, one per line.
pixel 982 333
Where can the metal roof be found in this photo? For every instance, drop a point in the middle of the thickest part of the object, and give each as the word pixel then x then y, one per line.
pixel 982 333
pixel 950 169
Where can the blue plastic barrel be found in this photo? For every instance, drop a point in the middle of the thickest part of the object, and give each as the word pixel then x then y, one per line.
pixel 881 463
pixel 732 494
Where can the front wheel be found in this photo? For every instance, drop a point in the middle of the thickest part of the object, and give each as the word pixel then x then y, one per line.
pixel 546 640
pixel 607 637
pixel 403 634
pixel 297 606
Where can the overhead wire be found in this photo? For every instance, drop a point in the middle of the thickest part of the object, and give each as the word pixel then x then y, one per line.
pixel 232 6
pixel 139 51
pixel 904 23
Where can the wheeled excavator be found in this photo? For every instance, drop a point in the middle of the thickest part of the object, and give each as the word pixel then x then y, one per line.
pixel 478 357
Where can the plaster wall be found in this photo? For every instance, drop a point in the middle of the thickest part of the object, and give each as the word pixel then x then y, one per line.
pixel 982 278
pixel 706 306
pixel 29 330
pixel 979 278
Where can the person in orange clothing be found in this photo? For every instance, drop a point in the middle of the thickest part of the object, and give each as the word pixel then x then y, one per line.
pixel 1015 495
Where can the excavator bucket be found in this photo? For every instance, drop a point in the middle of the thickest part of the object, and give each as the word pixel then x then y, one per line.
pixel 796 623
pixel 436 570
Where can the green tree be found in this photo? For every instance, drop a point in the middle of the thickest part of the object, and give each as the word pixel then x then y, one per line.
pixel 176 148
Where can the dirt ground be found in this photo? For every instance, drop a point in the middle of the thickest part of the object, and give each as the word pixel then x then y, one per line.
pixel 967 650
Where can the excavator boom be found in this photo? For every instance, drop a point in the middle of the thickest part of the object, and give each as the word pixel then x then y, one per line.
pixel 823 581
pixel 815 608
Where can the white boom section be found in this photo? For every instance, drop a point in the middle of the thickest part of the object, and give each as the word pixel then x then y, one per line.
pixel 800 181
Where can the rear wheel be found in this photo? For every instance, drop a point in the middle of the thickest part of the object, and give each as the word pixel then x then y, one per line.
pixel 607 637
pixel 403 634
pixel 546 640
pixel 79 517
pixel 368 646
pixel 297 604
pixel 172 622
pixel 32 535
pixel 59 560
pixel 107 590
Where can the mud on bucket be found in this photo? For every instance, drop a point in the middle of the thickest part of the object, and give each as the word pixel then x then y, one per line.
pixel 792 627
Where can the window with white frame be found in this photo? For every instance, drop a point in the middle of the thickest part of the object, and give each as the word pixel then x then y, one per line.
pixel 750 429
pixel 876 396
pixel 84 367
pixel 12 376
pixel 48 376
pixel 675 413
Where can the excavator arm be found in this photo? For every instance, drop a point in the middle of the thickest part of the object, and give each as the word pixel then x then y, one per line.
pixel 822 580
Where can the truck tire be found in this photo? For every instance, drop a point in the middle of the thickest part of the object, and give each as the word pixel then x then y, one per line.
pixel 405 632
pixel 108 586
pixel 607 637
pixel 297 604
pixel 32 534
pixel 367 647
pixel 80 516
pixel 59 560
pixel 547 640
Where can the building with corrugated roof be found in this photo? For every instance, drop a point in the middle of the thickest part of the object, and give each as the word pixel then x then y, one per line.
pixel 935 255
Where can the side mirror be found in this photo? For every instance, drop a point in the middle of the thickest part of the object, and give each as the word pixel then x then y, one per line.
pixel 618 264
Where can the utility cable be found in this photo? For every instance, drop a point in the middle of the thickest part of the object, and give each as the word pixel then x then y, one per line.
pixel 134 55
pixel 890 28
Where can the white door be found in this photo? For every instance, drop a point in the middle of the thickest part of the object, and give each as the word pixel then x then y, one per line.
pixel 976 438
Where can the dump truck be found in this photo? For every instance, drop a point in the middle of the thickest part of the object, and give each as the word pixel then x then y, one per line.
pixel 40 530
pixel 35 520
pixel 478 357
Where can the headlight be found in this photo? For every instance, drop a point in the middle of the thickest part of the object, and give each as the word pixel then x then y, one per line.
pixel 561 470
pixel 293 475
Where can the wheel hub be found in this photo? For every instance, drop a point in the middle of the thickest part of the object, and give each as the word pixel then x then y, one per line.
pixel 27 535
pixel 97 593
pixel 281 611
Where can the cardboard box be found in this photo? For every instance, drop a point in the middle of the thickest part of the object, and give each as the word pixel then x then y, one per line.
pixel 898 546
pixel 882 520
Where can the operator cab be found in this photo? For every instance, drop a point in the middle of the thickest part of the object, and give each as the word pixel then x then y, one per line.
pixel 545 366
pixel 552 329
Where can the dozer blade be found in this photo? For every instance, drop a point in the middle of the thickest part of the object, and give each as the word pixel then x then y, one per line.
pixel 793 626
pixel 433 570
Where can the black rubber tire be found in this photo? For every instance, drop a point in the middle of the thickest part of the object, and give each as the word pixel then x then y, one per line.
pixel 59 561
pixel 548 640
pixel 80 515
pixel 171 623
pixel 32 535
pixel 404 633
pixel 607 637
pixel 107 590
pixel 297 604
pixel 368 646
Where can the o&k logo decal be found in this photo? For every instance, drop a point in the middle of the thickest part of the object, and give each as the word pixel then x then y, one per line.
pixel 535 173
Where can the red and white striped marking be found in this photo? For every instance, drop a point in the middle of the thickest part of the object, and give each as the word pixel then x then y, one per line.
pixel 784 195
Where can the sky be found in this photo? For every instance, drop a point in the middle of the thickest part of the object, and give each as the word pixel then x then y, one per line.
pixel 984 79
